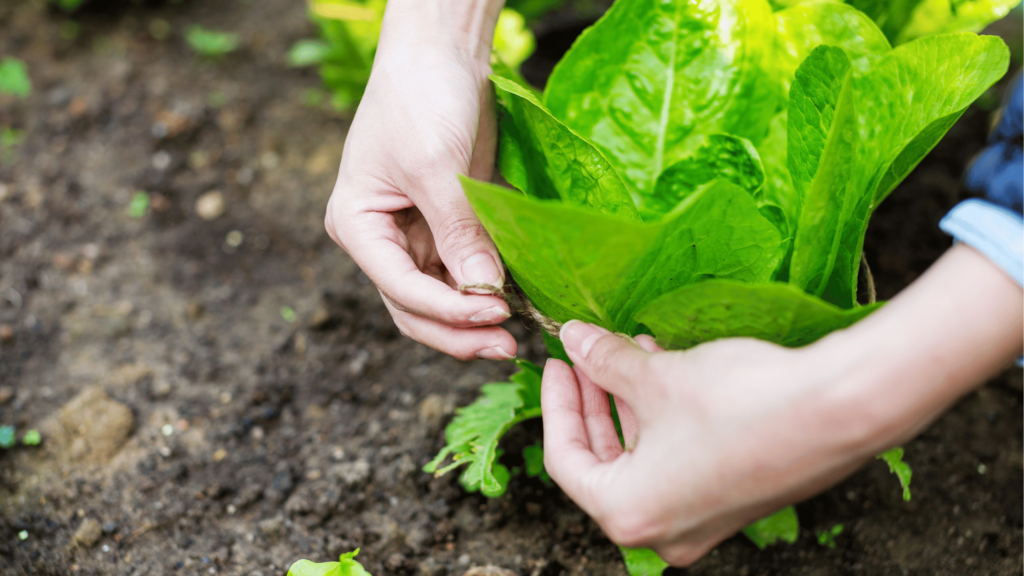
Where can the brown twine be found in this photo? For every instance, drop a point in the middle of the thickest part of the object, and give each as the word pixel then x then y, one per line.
pixel 872 295
pixel 517 301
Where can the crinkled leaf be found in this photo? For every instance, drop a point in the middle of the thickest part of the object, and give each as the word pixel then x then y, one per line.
pixel 545 159
pixel 804 27
pixel 642 561
pixel 577 264
pixel 652 78
pixel 822 159
pixel 779 313
pixel 904 106
pixel 943 16
pixel 345 566
pixel 894 458
pixel 717 232
pixel 472 437
pixel 782 525
pixel 14 77
pixel 777 198
pixel 722 156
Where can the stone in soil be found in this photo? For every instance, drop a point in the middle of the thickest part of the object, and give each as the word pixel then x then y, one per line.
pixel 88 533
pixel 211 205
pixel 6 393
pixel 91 427
pixel 488 571
pixel 6 334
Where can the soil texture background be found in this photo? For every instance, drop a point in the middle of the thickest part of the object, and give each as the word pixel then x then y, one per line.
pixel 191 425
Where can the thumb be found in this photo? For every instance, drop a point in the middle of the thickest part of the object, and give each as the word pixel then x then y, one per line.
pixel 612 361
pixel 462 242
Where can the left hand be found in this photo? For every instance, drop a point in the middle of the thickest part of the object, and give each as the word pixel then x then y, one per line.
pixel 712 449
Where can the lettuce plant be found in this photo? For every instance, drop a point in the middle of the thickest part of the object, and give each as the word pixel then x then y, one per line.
pixel 707 170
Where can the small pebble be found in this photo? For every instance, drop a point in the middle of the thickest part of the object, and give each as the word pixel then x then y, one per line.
pixel 982 469
pixel 23 535
pixel 6 393
pixel 234 238
pixel 211 205
pixel 220 454
pixel 6 333
pixel 167 429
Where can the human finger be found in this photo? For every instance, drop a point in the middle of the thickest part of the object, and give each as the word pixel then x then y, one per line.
pixel 611 361
pixel 627 422
pixel 568 457
pixel 379 248
pixel 597 417
pixel 488 342
pixel 463 244
pixel 647 343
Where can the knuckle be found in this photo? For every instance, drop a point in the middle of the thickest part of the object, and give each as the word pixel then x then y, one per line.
pixel 459 232
pixel 632 529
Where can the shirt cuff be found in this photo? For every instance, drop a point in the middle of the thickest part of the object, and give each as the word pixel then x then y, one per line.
pixel 992 230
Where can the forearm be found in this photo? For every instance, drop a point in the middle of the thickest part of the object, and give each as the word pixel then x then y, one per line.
pixel 952 329
pixel 463 26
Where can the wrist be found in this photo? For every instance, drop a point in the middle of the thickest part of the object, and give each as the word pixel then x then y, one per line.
pixel 461 29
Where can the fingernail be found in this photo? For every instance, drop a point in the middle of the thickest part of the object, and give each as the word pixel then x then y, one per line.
pixel 481 269
pixel 579 337
pixel 490 315
pixel 494 353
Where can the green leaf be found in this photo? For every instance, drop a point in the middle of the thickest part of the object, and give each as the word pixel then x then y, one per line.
pixel 652 78
pixel 472 437
pixel 777 198
pixel 32 438
pixel 211 43
pixel 822 154
pixel 944 16
pixel 778 313
pixel 307 52
pixel 138 206
pixel 14 77
pixel 804 27
pixel 827 538
pixel 717 232
pixel 577 264
pixel 904 106
pixel 642 562
pixel 345 566
pixel 721 156
pixel 782 525
pixel 545 159
pixel 513 40
pixel 533 456
pixel 7 439
pixel 894 458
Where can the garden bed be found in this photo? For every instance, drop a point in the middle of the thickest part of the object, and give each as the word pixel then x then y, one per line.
pixel 256 438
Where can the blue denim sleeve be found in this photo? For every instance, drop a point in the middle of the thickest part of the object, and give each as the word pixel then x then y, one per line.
pixel 994 226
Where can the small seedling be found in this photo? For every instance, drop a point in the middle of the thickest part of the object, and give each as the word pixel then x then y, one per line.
pixel 345 566
pixel 211 43
pixel 827 538
pixel 23 535
pixel 14 78
pixel 894 458
pixel 139 204
pixel 32 438
pixel 7 438
pixel 288 314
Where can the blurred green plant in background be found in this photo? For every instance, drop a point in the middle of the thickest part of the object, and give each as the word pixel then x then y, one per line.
pixel 350 29
pixel 211 43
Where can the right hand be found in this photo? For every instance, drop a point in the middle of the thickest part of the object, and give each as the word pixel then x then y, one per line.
pixel 398 208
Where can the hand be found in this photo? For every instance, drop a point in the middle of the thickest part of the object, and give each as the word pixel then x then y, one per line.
pixel 732 430
pixel 398 208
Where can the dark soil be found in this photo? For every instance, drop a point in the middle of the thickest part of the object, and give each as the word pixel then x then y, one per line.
pixel 249 441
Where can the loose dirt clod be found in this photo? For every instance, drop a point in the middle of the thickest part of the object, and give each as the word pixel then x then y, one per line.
pixel 88 533
pixel 91 427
